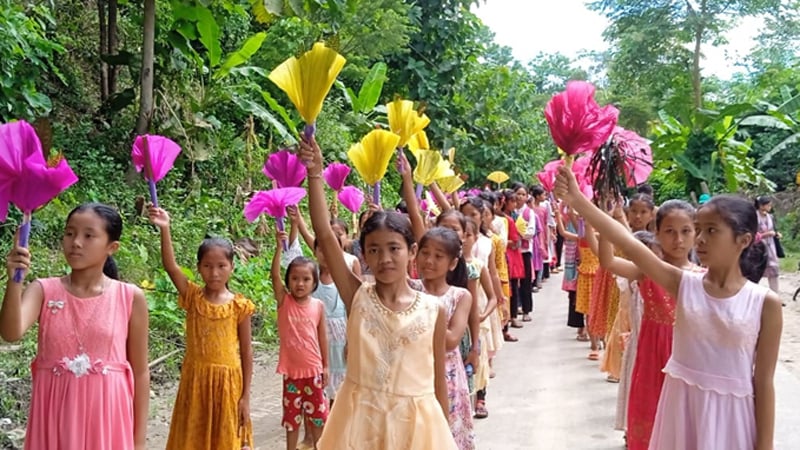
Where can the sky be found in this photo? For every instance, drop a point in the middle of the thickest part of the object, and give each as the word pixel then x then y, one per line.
pixel 533 26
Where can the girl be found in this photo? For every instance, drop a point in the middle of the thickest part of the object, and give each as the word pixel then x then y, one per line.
pixel 303 357
pixel 497 230
pixel 516 269
pixel 530 229
pixel 587 269
pixel 675 231
pixel 543 238
pixel 439 254
pixel 768 233
pixel 396 337
pixel 569 282
pixel 212 409
pixel 487 304
pixel 632 305
pixel 727 332
pixel 91 382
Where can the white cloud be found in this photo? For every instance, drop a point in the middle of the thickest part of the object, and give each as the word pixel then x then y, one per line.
pixel 567 26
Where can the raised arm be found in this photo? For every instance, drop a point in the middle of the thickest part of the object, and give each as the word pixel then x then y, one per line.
pixel 666 275
pixel 160 218
pixel 346 282
pixel 439 197
pixel 410 197
pixel 299 224
pixel 562 230
pixel 616 265
pixel 19 310
pixel 277 282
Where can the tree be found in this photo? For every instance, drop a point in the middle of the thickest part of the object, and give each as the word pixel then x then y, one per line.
pixel 146 80
pixel 666 26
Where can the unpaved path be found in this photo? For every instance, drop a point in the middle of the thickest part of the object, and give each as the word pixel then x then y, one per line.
pixel 547 394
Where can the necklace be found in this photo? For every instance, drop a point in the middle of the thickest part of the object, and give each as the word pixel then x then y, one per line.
pixel 81 363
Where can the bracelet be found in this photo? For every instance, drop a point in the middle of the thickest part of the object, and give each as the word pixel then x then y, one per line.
pixel 319 175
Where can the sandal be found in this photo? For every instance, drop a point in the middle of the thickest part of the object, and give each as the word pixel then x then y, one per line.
pixel 594 355
pixel 515 323
pixel 480 410
pixel 509 338
pixel 612 379
pixel 582 338
pixel 526 318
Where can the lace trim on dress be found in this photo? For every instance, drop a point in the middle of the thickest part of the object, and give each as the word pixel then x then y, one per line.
pixel 737 387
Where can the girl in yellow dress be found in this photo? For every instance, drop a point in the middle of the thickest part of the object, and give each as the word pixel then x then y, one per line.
pixel 394 395
pixel 212 409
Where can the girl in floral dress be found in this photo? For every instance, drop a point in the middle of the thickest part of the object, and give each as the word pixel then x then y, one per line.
pixel 91 383
pixel 212 408
pixel 439 251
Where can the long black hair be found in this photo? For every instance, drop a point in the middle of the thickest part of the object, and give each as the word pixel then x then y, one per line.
pixel 741 216
pixel 452 245
pixel 113 228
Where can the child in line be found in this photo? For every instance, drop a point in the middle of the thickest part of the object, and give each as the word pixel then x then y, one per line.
pixel 212 408
pixel 91 382
pixel 727 332
pixel 395 335
pixel 438 255
pixel 303 356
pixel 568 229
pixel 675 231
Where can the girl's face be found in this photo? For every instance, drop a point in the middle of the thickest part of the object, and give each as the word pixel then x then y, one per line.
pixel 339 230
pixel 301 281
pixel 469 239
pixel 522 196
pixel 454 224
pixel 387 255
pixel 488 217
pixel 511 204
pixel 86 243
pixel 433 260
pixel 640 214
pixel 215 268
pixel 676 235
pixel 716 245
pixel 472 213
pixel 767 207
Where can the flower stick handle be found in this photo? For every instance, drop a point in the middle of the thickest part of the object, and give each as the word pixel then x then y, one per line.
pixel 309 131
pixel 568 160
pixel 279 225
pixel 153 193
pixel 419 191
pixel 24 234
pixel 376 193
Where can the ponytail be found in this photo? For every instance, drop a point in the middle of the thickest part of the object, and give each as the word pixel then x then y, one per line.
pixel 459 277
pixel 110 268
pixel 753 261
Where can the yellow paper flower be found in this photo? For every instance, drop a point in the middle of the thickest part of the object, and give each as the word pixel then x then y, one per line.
pixel 497 176
pixel 418 142
pixel 451 155
pixel 371 156
pixel 404 120
pixel 307 80
pixel 450 184
pixel 431 167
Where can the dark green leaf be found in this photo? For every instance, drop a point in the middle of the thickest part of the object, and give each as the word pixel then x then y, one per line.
pixel 241 56
pixel 370 92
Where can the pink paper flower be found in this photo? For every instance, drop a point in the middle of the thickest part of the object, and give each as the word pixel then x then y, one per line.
pixel 273 202
pixel 636 154
pixel 285 168
pixel 352 198
pixel 577 123
pixel 18 141
pixel 161 153
pixel 335 175
pixel 43 182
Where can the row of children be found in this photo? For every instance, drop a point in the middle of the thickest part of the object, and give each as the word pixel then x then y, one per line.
pixel 688 334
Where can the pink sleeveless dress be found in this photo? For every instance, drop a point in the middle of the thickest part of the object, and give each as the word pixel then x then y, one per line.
pixel 82 382
pixel 707 400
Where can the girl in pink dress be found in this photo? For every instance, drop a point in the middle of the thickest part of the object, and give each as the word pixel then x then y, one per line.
pixel 303 357
pixel 91 383
pixel 727 332
pixel 675 234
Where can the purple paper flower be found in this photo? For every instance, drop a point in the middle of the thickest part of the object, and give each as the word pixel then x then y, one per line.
pixel 335 175
pixel 273 202
pixel 161 153
pixel 285 168
pixel 352 198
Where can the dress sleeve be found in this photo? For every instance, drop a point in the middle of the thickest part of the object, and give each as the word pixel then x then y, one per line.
pixel 244 308
pixel 193 292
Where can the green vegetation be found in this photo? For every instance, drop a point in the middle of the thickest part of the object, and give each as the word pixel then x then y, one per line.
pixel 76 72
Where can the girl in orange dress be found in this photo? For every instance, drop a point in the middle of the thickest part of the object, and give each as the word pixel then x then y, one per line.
pixel 587 268
pixel 212 409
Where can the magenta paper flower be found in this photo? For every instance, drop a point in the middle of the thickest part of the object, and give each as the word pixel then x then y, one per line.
pixel 577 123
pixel 273 202
pixel 335 175
pixel 160 152
pixel 546 179
pixel 18 141
pixel 352 198
pixel 285 168
pixel 43 182
pixel 636 154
